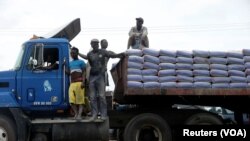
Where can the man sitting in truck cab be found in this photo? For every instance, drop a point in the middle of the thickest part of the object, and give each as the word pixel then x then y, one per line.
pixel 51 63
pixel 76 90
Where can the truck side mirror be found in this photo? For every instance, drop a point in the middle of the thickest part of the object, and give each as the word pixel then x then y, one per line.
pixel 34 62
pixel 36 58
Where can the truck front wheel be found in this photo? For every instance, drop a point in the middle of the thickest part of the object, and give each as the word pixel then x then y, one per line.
pixel 7 129
pixel 147 127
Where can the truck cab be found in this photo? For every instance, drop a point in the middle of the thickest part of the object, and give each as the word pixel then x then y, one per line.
pixel 34 101
pixel 39 87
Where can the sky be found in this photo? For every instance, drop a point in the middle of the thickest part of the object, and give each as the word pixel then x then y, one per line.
pixel 219 25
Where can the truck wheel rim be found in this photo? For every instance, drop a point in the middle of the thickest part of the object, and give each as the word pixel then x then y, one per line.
pixel 149 132
pixel 3 135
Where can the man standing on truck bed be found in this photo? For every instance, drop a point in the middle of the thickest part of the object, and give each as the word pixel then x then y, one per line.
pixel 104 45
pixel 76 89
pixel 138 38
pixel 96 59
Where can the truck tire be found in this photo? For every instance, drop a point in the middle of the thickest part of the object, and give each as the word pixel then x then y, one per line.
pixel 203 119
pixel 147 127
pixel 7 129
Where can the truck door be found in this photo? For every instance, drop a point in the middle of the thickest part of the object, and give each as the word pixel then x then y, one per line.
pixel 42 78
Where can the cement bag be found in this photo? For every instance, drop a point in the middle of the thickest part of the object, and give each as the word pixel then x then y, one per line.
pixel 238 85
pixel 148 65
pixel 201 60
pixel 136 59
pixel 238 79
pixel 180 53
pixel 236 73
pixel 246 58
pixel 218 73
pixel 134 84
pixel 217 60
pixel 248 78
pixel 184 73
pixel 166 59
pixel 200 53
pixel 151 85
pixel 149 72
pixel 220 54
pixel 181 78
pixel 202 85
pixel 220 85
pixel 151 59
pixel 235 61
pixel 184 60
pixel 167 66
pixel 218 67
pixel 246 52
pixel 221 79
pixel 135 65
pixel 134 71
pixel 167 79
pixel 170 72
pixel 152 52
pixel 185 85
pixel 202 79
pixel 247 71
pixel 134 78
pixel 235 55
pixel 135 52
pixel 167 53
pixel 150 78
pixel 201 72
pixel 236 67
pixel 247 65
pixel 200 66
pixel 182 66
pixel 168 85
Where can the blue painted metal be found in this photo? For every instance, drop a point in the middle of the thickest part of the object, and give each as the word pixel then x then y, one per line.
pixel 7 99
pixel 37 90
pixel 7 92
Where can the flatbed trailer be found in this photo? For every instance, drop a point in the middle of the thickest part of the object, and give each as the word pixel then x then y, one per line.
pixel 145 104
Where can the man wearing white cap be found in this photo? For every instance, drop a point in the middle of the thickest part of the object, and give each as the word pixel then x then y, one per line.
pixel 138 38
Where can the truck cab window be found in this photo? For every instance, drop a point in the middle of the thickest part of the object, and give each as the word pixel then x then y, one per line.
pixel 45 58
pixel 51 58
pixel 36 57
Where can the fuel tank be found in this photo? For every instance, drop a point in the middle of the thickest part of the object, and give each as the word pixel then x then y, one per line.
pixel 97 130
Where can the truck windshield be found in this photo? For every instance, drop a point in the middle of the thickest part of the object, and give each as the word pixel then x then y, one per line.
pixel 19 59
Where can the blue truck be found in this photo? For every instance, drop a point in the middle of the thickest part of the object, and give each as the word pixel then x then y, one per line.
pixel 34 100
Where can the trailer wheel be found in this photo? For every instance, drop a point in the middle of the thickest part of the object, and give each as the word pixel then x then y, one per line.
pixel 147 127
pixel 7 129
pixel 203 119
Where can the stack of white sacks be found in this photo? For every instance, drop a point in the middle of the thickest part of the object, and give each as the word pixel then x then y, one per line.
pixel 218 69
pixel 167 69
pixel 135 65
pixel 236 70
pixel 150 68
pixel 201 71
pixel 184 67
pixel 246 54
